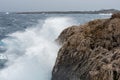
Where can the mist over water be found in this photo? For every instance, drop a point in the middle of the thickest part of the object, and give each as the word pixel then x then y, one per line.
pixel 32 53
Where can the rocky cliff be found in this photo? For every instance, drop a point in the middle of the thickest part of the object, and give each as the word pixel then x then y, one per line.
pixel 90 51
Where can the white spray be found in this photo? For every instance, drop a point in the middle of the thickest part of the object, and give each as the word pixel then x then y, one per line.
pixel 32 53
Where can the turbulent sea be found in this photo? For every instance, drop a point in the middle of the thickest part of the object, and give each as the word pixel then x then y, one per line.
pixel 27 43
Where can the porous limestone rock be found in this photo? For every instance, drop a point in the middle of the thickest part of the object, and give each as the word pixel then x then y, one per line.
pixel 90 51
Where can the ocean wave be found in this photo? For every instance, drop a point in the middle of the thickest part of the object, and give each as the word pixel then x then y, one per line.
pixel 104 14
pixel 32 53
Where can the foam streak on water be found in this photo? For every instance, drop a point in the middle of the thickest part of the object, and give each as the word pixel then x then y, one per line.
pixel 32 53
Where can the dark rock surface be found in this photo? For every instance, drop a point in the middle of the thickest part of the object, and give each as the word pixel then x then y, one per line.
pixel 90 51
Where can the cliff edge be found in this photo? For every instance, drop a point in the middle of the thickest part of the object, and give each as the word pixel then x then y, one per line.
pixel 90 51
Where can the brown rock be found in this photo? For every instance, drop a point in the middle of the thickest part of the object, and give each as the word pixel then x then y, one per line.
pixel 116 15
pixel 90 51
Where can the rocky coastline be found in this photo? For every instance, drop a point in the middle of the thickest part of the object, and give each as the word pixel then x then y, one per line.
pixel 104 11
pixel 90 51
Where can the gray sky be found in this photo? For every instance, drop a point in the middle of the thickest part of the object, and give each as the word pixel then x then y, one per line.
pixel 57 5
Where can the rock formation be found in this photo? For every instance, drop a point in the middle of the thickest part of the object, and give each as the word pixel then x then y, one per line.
pixel 90 51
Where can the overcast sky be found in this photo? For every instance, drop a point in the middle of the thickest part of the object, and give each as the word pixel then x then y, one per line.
pixel 57 5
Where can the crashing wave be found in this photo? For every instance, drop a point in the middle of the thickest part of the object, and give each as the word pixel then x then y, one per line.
pixel 32 53
pixel 104 14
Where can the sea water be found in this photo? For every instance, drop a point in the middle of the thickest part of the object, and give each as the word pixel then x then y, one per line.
pixel 28 42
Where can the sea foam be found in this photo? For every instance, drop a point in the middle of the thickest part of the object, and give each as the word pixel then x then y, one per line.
pixel 32 53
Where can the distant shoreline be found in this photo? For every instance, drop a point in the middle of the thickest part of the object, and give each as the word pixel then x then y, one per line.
pixel 72 12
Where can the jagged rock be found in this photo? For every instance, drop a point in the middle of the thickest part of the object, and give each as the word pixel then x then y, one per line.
pixel 90 51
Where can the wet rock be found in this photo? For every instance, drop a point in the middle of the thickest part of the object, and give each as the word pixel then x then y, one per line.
pixel 90 51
